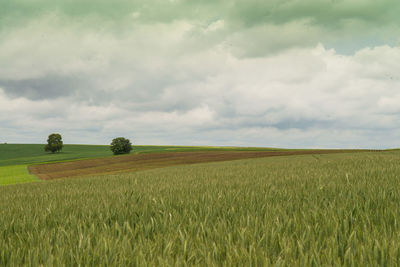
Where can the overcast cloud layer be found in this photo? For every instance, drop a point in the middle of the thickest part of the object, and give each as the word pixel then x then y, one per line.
pixel 251 73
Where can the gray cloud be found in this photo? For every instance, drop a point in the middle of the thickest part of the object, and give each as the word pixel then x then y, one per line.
pixel 48 87
pixel 203 80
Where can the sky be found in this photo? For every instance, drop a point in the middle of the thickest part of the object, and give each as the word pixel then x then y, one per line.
pixel 274 73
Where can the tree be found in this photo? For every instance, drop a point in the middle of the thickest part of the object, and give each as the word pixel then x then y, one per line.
pixel 121 145
pixel 54 143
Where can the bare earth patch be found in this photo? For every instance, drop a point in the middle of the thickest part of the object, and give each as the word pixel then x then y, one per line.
pixel 154 160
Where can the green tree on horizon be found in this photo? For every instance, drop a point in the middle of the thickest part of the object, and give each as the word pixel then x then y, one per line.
pixel 121 145
pixel 54 143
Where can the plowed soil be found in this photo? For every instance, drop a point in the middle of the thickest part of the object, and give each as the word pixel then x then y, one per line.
pixel 155 160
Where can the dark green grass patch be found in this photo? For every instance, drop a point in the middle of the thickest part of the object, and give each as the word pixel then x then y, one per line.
pixel 13 154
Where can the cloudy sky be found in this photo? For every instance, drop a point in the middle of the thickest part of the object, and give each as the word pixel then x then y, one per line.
pixel 275 73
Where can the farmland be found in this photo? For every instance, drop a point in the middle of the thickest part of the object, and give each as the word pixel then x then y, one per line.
pixel 15 158
pixel 155 160
pixel 17 154
pixel 15 174
pixel 328 209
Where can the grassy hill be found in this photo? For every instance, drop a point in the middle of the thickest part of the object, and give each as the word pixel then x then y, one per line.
pixel 310 210
pixel 14 154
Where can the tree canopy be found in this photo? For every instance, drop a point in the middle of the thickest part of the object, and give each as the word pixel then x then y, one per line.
pixel 121 145
pixel 54 143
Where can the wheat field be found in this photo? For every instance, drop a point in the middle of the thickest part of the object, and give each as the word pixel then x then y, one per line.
pixel 310 210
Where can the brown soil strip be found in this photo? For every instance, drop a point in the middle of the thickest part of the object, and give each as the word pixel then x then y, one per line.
pixel 155 160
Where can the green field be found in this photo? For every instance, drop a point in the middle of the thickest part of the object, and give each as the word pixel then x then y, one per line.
pixel 14 158
pixel 16 154
pixel 15 174
pixel 337 209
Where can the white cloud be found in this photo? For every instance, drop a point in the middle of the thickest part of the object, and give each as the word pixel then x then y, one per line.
pixel 152 85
